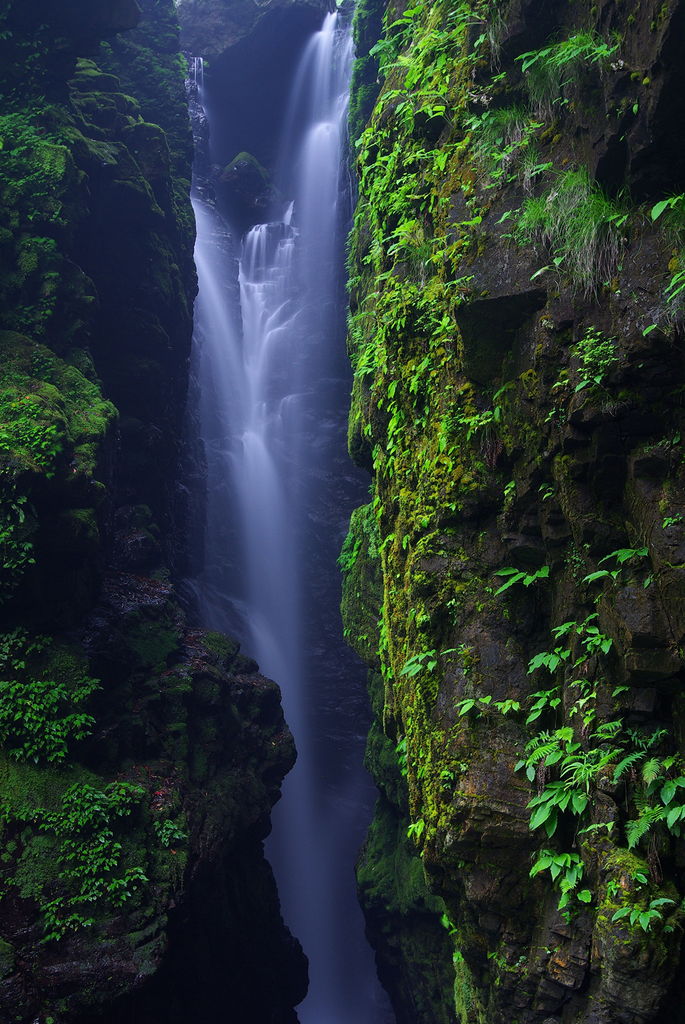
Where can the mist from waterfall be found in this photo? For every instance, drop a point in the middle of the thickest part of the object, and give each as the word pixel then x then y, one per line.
pixel 270 390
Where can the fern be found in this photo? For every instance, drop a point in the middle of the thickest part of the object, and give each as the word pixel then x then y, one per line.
pixel 623 766
pixel 651 770
pixel 543 751
pixel 639 827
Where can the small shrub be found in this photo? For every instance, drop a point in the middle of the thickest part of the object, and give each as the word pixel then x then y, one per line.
pixel 168 832
pixel 498 135
pixel 597 356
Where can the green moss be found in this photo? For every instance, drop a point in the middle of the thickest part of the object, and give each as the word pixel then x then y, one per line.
pixel 48 407
pixel 35 869
pixel 24 788
pixel 7 958
pixel 362 584
pixel 394 893
pixel 367 27
pixel 223 648
pixel 154 643
pixel 467 1003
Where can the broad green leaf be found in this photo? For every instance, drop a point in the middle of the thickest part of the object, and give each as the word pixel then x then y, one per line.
pixel 510 583
pixel 659 208
pixel 673 816
pixel 599 575
pixel 579 802
pixel 540 816
pixel 540 865
pixel 668 791
pixel 551 824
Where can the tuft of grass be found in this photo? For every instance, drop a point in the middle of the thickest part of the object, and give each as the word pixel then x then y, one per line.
pixel 582 226
pixel 497 133
pixel 549 71
pixel 503 141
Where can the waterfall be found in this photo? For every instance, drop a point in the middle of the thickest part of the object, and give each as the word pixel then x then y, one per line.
pixel 268 398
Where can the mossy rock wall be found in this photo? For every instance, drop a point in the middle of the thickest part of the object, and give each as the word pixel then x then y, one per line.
pixel 518 353
pixel 139 758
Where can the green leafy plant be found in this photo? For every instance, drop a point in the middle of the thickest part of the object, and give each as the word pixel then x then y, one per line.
pixel 90 871
pixel 426 661
pixel 672 210
pixel 645 917
pixel 503 141
pixel 16 546
pixel 676 286
pixel 620 557
pixel 518 576
pixel 481 704
pixel 89 855
pixel 169 832
pixel 40 717
pixel 566 870
pixel 401 753
pixel 416 829
pixel 597 357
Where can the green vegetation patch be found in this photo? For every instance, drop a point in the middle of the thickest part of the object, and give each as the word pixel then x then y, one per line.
pixel 48 406
pixel 43 696
pixel 63 843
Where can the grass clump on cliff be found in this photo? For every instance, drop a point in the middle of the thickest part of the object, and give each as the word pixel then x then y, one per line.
pixel 580 224
pixel 549 71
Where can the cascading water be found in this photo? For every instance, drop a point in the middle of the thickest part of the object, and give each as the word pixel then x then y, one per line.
pixel 270 393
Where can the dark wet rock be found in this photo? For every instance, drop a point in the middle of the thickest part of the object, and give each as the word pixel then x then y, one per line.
pixel 247 191
pixel 210 27
pixel 97 285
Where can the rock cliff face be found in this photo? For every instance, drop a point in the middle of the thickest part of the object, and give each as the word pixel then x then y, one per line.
pixel 517 582
pixel 211 27
pixel 140 758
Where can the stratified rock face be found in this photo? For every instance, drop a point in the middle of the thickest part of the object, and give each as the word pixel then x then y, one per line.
pixel 517 583
pixel 139 758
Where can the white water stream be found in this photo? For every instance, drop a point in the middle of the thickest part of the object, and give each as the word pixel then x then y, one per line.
pixel 270 397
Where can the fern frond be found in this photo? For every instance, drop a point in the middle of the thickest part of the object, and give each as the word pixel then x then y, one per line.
pixel 542 752
pixel 638 829
pixel 651 770
pixel 623 766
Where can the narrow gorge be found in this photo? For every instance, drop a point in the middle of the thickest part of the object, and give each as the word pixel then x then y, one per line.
pixel 218 219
